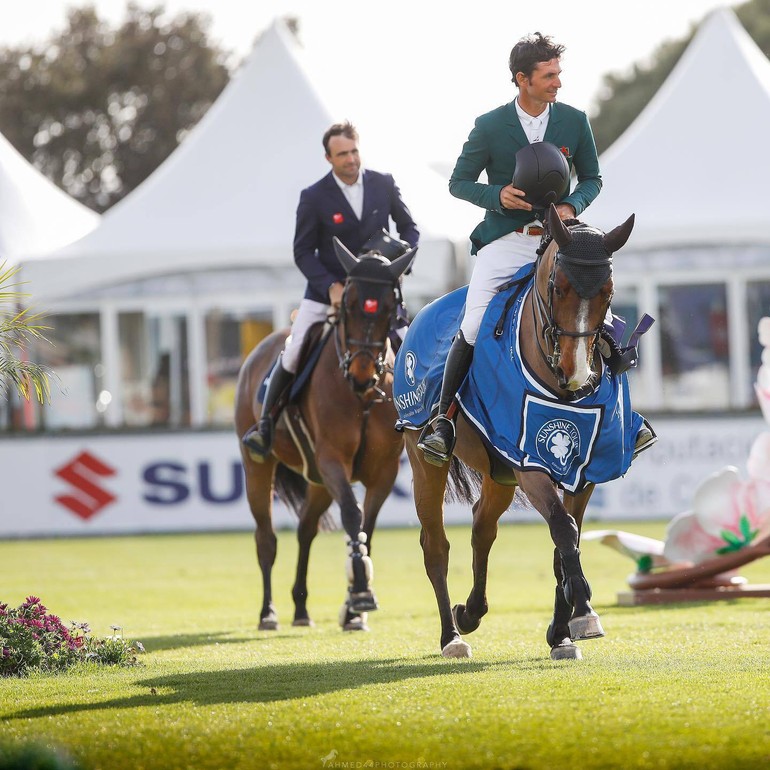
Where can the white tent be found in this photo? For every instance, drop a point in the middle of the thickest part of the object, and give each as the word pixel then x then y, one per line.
pixel 226 198
pixel 693 166
pixel 35 215
pixel 693 169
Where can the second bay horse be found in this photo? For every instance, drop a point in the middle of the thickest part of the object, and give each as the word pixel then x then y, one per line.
pixel 339 431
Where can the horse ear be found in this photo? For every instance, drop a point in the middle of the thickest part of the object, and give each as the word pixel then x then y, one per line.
pixel 616 239
pixel 560 233
pixel 400 264
pixel 347 259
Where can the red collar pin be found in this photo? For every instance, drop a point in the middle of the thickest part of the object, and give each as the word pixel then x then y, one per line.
pixel 338 219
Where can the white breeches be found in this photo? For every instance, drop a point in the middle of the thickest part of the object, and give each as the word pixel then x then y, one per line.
pixel 496 263
pixel 309 312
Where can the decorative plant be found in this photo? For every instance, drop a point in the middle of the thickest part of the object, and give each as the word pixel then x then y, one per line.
pixel 32 639
pixel 18 328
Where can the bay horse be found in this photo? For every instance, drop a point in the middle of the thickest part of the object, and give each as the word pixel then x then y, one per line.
pixel 340 430
pixel 559 326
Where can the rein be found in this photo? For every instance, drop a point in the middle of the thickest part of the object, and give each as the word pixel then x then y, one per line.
pixel 367 346
pixel 542 315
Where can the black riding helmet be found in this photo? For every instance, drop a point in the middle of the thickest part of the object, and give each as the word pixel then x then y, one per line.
pixel 542 172
pixel 384 243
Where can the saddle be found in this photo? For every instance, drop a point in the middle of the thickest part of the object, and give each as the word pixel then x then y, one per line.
pixel 288 404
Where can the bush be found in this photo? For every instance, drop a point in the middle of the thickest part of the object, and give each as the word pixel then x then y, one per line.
pixel 35 757
pixel 33 639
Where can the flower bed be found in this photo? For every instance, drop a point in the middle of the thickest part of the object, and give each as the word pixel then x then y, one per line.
pixel 32 639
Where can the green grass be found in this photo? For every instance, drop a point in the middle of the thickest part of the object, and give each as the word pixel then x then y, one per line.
pixel 682 686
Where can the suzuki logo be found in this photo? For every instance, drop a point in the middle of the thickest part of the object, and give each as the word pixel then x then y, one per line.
pixel 87 497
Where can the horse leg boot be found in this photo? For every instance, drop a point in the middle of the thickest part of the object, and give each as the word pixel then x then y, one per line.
pixel 360 573
pixel 584 623
pixel 259 439
pixel 437 448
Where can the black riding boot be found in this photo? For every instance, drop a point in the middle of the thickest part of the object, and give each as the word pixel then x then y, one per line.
pixel 438 446
pixel 259 438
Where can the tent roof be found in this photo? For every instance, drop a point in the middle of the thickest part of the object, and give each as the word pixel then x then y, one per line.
pixel 35 215
pixel 692 166
pixel 227 195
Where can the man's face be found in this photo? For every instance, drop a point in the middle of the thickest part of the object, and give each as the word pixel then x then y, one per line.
pixel 343 155
pixel 544 83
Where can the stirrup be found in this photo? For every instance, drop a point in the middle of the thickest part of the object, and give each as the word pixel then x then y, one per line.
pixel 436 450
pixel 644 439
pixel 259 440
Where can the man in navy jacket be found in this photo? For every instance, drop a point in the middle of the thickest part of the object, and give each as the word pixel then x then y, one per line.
pixel 352 204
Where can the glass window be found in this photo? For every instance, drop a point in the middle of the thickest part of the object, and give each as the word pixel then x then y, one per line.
pixel 155 385
pixel 74 357
pixel 229 339
pixel 757 307
pixel 694 347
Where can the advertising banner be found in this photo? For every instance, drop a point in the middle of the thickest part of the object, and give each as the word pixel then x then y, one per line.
pixel 193 481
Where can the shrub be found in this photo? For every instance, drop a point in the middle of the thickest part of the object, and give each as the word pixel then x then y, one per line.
pixel 33 639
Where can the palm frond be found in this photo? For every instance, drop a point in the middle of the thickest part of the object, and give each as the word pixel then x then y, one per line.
pixel 17 330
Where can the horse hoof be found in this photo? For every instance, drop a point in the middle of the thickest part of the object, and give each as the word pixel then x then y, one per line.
pixel 457 648
pixel 459 611
pixel 586 627
pixel 356 623
pixel 306 622
pixel 362 602
pixel 566 651
pixel 269 623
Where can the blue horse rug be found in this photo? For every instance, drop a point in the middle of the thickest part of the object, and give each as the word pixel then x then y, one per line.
pixel 522 424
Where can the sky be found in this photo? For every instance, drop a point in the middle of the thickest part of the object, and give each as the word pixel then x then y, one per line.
pixel 416 73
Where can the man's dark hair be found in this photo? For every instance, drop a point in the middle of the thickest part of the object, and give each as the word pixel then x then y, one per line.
pixel 346 129
pixel 530 51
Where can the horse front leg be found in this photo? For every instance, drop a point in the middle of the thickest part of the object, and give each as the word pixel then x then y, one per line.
pixel 487 511
pixel 317 500
pixel 337 475
pixel 584 623
pixel 573 593
pixel 378 486
pixel 429 488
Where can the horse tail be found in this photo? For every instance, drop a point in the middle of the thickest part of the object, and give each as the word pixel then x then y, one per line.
pixel 463 484
pixel 291 489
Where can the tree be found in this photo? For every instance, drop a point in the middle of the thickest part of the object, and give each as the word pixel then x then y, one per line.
pixel 625 96
pixel 97 109
pixel 17 329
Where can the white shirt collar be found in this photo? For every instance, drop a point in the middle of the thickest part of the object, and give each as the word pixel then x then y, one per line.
pixel 528 119
pixel 358 183
pixel 534 125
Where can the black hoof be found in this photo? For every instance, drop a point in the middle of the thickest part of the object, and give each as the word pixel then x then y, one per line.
pixel 463 621
pixel 566 650
pixel 269 622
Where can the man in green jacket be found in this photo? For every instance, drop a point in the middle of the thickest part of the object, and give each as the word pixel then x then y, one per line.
pixel 509 235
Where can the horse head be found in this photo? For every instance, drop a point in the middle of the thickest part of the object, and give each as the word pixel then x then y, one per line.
pixel 574 288
pixel 369 303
